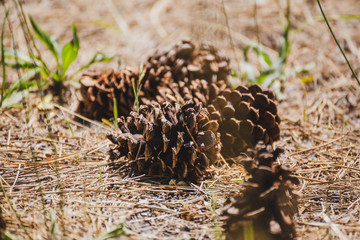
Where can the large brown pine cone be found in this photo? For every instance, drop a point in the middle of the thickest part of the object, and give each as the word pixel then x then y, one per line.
pixel 245 115
pixel 186 62
pixel 268 204
pixel 99 89
pixel 168 140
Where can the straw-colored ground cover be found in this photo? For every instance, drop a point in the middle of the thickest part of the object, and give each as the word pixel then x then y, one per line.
pixel 320 123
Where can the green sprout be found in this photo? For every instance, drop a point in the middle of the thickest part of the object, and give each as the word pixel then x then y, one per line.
pixel 35 65
pixel 137 86
pixel 272 75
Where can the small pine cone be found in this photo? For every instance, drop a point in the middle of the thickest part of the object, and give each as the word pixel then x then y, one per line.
pixel 246 115
pixel 99 89
pixel 168 140
pixel 268 203
pixel 186 62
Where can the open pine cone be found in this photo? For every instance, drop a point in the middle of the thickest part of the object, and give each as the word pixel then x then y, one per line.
pixel 168 140
pixel 246 115
pixel 186 62
pixel 99 89
pixel 268 204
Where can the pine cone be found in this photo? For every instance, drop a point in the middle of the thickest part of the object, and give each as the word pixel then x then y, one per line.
pixel 268 204
pixel 155 86
pixel 187 63
pixel 168 140
pixel 99 89
pixel 245 115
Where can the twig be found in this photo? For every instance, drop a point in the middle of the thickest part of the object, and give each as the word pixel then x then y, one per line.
pixel 84 118
pixel 333 226
pixel 316 147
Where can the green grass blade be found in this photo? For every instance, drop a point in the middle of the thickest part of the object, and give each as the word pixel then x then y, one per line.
pixel 249 231
pixel 135 95
pixel 338 44
pixel 141 75
pixel 19 65
pixel 101 178
pixel 10 236
pixel 44 38
pixel 53 224
pixel 136 89
pixel 262 55
pixel 71 130
pixel 22 81
pixel 118 231
pixel 70 52
pixel 23 61
pixel 98 57
pixel 3 58
pixel 107 122
pixel 115 110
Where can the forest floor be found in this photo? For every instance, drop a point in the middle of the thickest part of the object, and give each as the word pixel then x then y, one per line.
pixel 71 184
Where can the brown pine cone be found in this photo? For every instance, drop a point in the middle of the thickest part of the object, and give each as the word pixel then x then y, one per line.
pixel 187 63
pixel 168 140
pixel 268 204
pixel 99 89
pixel 245 115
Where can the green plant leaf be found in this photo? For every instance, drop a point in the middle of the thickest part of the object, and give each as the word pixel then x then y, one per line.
pixel 22 61
pixel 136 88
pixel 257 47
pixel 12 100
pixel 248 231
pixel 98 57
pixel 307 79
pixel 70 52
pixel 3 58
pixel 55 76
pixel 115 110
pixel 10 236
pixel 53 224
pixel 118 231
pixel 19 85
pixel 71 130
pixel 19 65
pixel 106 122
pixel 45 38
